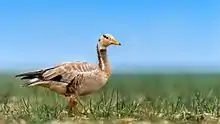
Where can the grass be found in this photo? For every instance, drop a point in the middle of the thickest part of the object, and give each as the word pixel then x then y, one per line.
pixel 143 98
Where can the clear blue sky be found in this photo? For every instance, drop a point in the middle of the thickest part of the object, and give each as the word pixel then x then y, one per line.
pixel 152 32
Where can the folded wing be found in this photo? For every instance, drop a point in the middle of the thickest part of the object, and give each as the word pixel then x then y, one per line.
pixel 64 73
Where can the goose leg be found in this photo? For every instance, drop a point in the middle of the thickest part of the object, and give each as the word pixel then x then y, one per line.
pixel 71 105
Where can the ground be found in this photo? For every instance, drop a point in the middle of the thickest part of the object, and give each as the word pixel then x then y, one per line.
pixel 143 98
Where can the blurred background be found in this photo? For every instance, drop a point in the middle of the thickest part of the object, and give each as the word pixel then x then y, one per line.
pixel 157 36
pixel 163 42
pixel 170 49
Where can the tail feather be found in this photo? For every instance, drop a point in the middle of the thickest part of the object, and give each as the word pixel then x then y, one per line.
pixel 34 74
pixel 31 77
pixel 27 77
pixel 31 82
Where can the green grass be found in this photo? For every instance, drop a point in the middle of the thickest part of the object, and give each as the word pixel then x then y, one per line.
pixel 155 98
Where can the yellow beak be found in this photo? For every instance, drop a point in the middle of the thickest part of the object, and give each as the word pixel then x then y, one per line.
pixel 115 42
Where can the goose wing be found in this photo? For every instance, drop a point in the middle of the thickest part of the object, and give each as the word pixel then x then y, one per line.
pixel 66 72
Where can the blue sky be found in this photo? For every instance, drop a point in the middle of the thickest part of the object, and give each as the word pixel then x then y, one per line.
pixel 152 32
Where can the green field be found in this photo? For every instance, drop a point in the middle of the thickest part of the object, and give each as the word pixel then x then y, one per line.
pixel 142 98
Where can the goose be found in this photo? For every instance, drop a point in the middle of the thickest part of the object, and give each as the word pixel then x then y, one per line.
pixel 74 79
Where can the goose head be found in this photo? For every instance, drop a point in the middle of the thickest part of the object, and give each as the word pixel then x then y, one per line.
pixel 106 40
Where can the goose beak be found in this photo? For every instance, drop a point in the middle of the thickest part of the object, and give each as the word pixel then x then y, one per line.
pixel 115 42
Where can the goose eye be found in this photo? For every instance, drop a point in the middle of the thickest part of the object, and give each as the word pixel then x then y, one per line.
pixel 105 36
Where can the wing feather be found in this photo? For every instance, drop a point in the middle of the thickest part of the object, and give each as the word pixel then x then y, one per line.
pixel 67 71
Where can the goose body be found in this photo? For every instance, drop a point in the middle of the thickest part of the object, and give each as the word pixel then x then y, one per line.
pixel 67 78
pixel 74 79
